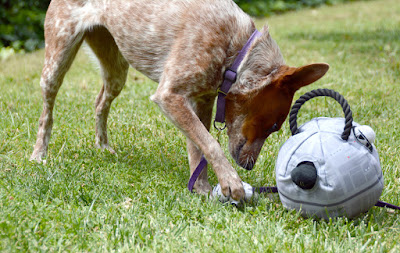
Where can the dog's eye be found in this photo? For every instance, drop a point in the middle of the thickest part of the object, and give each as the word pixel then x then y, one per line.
pixel 274 128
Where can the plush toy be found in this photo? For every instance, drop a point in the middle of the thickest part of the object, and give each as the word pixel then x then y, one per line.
pixel 330 166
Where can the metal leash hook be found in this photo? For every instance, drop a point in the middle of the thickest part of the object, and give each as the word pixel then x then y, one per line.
pixel 219 128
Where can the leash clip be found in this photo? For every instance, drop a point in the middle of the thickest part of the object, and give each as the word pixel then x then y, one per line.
pixel 219 128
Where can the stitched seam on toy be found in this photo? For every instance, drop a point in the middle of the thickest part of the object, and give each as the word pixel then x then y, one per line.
pixel 337 203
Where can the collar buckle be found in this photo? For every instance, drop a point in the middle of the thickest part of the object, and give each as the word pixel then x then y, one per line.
pixel 230 75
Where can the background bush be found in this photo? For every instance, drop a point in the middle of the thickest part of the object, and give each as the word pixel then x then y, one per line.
pixel 21 21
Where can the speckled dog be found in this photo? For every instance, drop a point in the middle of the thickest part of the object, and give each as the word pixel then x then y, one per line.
pixel 185 46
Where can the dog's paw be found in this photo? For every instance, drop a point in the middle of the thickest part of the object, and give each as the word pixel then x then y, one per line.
pixel 111 150
pixel 37 157
pixel 106 147
pixel 231 185
pixel 248 194
pixel 202 187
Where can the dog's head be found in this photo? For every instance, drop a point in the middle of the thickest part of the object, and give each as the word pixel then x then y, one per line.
pixel 259 102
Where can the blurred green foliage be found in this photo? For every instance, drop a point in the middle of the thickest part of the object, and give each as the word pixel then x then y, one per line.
pixel 21 21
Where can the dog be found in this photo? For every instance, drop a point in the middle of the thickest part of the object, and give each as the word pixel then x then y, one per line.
pixel 186 46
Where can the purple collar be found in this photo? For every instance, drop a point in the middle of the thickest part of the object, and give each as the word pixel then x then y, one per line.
pixel 229 79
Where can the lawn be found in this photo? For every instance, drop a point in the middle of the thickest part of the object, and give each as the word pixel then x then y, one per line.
pixel 84 199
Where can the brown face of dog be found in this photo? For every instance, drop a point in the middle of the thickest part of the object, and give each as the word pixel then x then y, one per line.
pixel 253 115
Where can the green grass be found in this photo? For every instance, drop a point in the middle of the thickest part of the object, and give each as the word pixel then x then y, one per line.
pixel 84 199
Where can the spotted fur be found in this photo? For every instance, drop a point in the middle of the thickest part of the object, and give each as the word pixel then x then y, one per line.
pixel 185 46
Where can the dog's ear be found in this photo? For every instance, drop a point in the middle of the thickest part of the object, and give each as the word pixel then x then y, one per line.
pixel 304 75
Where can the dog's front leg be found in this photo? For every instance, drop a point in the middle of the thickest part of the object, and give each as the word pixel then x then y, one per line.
pixel 179 109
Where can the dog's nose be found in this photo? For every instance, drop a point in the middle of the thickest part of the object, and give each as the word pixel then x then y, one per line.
pixel 249 166
pixel 304 175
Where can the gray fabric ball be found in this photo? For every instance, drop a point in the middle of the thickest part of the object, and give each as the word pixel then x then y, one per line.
pixel 349 177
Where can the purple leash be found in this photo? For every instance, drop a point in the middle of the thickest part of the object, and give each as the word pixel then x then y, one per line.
pixel 267 189
pixel 229 79
pixel 387 205
pixel 196 173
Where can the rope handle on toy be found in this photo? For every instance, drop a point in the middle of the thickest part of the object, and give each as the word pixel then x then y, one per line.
pixel 321 93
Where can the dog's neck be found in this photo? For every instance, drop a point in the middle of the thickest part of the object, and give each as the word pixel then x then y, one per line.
pixel 261 61
pixel 237 41
pixel 230 76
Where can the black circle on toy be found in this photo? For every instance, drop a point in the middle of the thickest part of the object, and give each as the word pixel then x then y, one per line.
pixel 304 175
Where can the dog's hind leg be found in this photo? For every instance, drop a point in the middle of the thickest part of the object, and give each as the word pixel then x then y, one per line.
pixel 63 40
pixel 114 70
